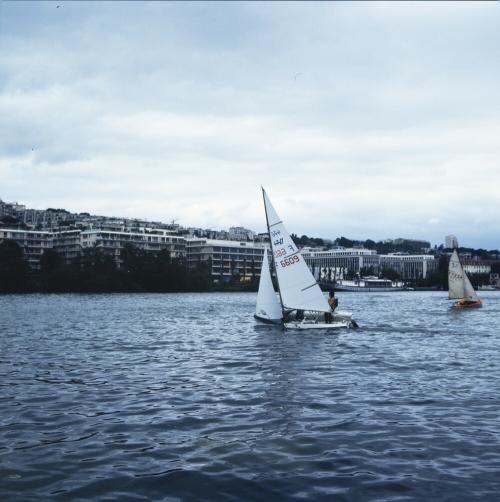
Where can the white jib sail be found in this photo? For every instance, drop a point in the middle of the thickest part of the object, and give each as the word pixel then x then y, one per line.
pixel 298 288
pixel 469 293
pixel 455 278
pixel 268 305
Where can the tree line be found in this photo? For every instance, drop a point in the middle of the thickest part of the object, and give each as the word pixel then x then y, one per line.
pixel 94 271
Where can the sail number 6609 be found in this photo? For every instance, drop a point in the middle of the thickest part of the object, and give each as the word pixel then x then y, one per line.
pixel 289 261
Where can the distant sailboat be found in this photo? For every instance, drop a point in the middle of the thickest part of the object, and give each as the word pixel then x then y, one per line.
pixel 303 305
pixel 459 285
pixel 268 308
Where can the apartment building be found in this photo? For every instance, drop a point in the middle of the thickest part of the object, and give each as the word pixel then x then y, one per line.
pixel 113 242
pixel 409 266
pixel 339 262
pixel 227 258
pixel 33 243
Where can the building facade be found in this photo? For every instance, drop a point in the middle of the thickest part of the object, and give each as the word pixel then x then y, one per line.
pixel 409 267
pixel 114 242
pixel 342 263
pixel 450 242
pixel 33 243
pixel 70 243
pixel 227 258
pixel 339 263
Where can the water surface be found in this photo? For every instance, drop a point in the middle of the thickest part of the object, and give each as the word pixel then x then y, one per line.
pixel 182 397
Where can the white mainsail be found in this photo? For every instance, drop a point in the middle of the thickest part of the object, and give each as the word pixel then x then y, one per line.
pixel 455 278
pixel 268 306
pixel 459 286
pixel 298 288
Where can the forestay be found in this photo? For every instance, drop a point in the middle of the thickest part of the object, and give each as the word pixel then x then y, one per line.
pixel 268 306
pixel 298 288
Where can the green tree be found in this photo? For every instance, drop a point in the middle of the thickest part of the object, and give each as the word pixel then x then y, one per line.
pixel 391 274
pixel 13 268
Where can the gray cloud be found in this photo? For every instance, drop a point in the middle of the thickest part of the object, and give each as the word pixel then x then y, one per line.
pixel 162 110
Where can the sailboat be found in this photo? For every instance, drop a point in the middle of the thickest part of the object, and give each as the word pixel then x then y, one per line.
pixel 301 301
pixel 459 285
pixel 268 308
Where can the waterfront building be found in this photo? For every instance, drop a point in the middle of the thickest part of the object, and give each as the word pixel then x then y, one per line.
pixel 476 267
pixel 70 243
pixel 67 243
pixel 149 240
pixel 409 267
pixel 340 262
pixel 495 280
pixel 227 258
pixel 33 243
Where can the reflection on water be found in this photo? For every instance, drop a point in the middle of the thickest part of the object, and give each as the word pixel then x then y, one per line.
pixel 141 397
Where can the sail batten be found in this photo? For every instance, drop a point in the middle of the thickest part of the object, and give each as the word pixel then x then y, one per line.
pixel 298 288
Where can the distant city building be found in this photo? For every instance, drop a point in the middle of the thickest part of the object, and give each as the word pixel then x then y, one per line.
pixel 71 243
pixel 262 237
pixel 339 262
pixel 114 242
pixel 411 245
pixel 33 243
pixel 240 234
pixel 234 252
pixel 227 258
pixel 450 242
pixel 495 279
pixel 477 267
pixel 409 267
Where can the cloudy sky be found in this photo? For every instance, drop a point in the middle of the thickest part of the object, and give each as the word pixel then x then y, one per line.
pixel 368 120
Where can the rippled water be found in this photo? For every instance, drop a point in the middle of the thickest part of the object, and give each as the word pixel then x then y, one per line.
pixel 182 397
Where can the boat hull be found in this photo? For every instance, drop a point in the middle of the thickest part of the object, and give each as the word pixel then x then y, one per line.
pixel 276 322
pixel 469 305
pixel 362 289
pixel 319 325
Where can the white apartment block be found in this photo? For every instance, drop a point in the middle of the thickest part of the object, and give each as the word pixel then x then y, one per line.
pixel 69 244
pixel 113 242
pixel 336 263
pixel 227 258
pixel 477 268
pixel 33 243
pixel 409 266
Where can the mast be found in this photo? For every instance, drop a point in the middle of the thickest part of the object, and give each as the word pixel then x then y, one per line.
pixel 272 255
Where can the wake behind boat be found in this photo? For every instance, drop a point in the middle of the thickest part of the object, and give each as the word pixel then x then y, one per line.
pixel 459 285
pixel 301 301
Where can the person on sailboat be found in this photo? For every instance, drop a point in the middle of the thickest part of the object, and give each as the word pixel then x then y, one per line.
pixel 333 302
pixel 299 316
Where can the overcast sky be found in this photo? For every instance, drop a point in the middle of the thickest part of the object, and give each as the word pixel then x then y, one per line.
pixel 368 120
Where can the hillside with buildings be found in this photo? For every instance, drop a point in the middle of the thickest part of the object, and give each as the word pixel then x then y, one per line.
pixel 56 241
